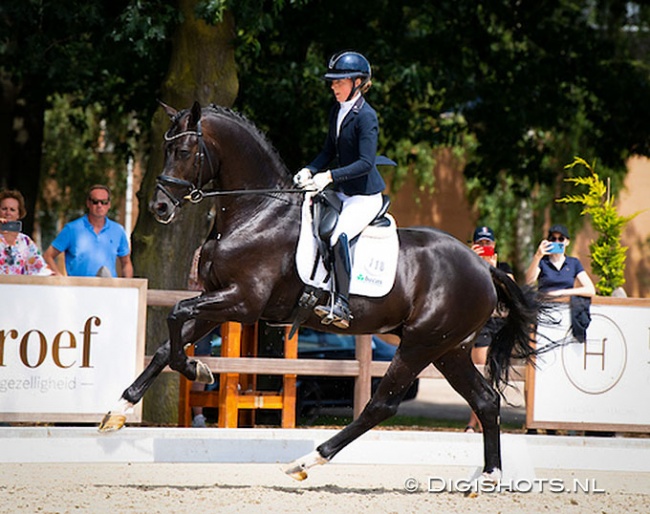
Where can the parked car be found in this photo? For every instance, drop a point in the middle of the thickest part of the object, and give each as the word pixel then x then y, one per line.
pixel 315 393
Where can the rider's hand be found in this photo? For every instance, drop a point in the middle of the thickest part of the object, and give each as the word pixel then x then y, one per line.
pixel 321 180
pixel 302 178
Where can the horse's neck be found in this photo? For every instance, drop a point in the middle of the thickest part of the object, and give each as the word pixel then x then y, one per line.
pixel 253 214
pixel 249 163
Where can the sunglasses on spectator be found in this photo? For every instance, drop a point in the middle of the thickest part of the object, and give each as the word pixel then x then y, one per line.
pixel 552 239
pixel 95 202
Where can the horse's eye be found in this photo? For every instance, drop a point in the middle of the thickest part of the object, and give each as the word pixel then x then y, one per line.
pixel 183 154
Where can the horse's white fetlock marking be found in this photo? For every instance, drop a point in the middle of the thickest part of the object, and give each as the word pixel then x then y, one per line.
pixel 298 468
pixel 491 477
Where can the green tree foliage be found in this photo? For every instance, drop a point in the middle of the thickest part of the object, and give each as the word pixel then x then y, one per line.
pixel 80 148
pixel 106 56
pixel 607 253
pixel 514 88
pixel 526 80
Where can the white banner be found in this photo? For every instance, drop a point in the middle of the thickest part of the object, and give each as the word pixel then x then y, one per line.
pixel 603 383
pixel 69 346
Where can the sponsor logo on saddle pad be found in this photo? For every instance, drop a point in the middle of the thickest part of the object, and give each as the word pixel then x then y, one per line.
pixel 374 258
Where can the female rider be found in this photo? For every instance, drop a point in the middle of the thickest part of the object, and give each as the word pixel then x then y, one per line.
pixel 347 163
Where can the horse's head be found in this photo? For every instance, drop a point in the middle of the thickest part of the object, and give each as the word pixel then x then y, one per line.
pixel 186 169
pixel 218 146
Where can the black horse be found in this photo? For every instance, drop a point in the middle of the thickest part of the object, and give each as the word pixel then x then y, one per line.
pixel 443 292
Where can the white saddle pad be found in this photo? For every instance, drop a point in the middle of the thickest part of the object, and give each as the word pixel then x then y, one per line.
pixel 374 257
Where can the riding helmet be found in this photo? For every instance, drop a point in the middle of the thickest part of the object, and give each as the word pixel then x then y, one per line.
pixel 348 65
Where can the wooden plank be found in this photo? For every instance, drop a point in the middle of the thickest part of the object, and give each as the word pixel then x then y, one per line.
pixel 259 401
pixel 363 381
pixel 289 382
pixel 184 405
pixel 278 366
pixel 316 367
pixel 168 298
pixel 204 399
pixel 229 380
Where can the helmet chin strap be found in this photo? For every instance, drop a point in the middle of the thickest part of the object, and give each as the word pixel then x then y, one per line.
pixel 354 89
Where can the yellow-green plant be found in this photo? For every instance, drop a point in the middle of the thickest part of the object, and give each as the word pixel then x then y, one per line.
pixel 607 253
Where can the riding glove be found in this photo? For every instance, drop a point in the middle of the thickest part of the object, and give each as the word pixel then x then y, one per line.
pixel 302 178
pixel 321 180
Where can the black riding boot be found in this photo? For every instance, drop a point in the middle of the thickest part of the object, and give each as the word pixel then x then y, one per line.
pixel 338 310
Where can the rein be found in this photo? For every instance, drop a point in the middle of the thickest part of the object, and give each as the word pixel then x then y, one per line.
pixel 196 195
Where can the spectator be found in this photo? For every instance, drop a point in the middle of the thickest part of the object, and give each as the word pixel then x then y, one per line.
pixel 556 273
pixel 560 275
pixel 484 245
pixel 19 255
pixel 92 243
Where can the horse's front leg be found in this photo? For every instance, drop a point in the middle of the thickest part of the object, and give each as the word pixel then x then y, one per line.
pixel 116 417
pixel 213 308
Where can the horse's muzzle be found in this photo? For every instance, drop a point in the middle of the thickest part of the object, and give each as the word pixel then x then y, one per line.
pixel 163 210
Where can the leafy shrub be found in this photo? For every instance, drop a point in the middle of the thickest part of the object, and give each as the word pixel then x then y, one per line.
pixel 607 253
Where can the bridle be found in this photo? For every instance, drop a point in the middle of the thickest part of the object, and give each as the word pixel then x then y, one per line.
pixel 195 191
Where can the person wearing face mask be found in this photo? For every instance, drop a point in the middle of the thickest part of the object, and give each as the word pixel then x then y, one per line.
pixel 19 255
pixel 347 165
pixel 556 273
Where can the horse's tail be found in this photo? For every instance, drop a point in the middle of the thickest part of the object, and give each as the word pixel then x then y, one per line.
pixel 514 338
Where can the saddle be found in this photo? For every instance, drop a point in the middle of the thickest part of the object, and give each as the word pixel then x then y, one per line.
pixel 373 253
pixel 326 208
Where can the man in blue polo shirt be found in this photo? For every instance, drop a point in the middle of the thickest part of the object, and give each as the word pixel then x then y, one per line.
pixel 92 243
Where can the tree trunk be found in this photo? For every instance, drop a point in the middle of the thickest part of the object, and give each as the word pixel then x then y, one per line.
pixel 202 68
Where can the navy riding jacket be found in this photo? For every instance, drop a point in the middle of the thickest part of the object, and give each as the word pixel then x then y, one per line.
pixel 352 155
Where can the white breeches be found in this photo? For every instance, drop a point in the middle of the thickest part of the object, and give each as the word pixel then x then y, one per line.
pixel 357 212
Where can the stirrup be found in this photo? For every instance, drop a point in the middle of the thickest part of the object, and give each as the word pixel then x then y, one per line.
pixel 342 322
pixel 325 312
pixel 329 316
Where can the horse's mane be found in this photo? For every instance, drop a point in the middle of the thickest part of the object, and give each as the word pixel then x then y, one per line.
pixel 252 129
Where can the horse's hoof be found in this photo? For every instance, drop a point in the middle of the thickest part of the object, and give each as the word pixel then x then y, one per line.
pixel 491 477
pixel 203 373
pixel 112 422
pixel 298 468
pixel 297 474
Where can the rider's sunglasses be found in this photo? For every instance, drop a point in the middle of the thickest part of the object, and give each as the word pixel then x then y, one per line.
pixel 95 202
pixel 552 239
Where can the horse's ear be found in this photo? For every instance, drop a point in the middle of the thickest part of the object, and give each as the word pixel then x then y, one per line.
pixel 171 112
pixel 195 114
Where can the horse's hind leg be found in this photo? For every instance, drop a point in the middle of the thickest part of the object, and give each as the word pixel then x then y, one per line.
pixel 403 370
pixel 457 367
